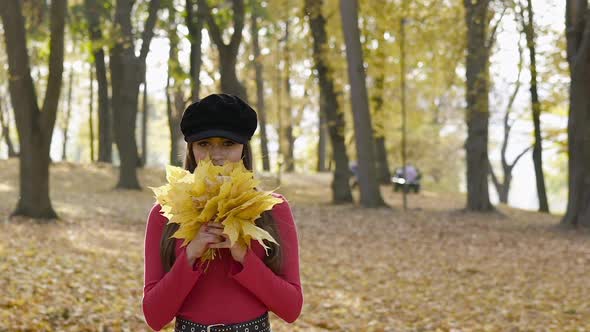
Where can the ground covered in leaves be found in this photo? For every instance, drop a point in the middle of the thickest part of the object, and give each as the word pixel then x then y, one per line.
pixel 432 268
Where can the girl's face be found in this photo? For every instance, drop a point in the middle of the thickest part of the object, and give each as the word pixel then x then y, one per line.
pixel 219 149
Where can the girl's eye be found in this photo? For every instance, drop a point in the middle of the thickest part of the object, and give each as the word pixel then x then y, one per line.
pixel 228 143
pixel 203 144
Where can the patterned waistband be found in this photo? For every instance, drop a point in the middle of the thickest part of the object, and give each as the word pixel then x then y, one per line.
pixel 260 324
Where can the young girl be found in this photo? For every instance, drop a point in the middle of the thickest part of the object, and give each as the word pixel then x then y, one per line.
pixel 241 284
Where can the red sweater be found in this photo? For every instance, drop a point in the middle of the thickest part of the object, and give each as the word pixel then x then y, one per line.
pixel 228 292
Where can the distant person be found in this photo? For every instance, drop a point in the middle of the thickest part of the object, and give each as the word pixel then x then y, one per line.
pixel 411 173
pixel 407 177
pixel 242 284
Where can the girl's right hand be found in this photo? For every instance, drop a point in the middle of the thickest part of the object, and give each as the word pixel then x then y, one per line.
pixel 208 234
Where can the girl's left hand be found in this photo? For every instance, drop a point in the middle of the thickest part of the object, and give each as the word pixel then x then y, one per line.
pixel 238 250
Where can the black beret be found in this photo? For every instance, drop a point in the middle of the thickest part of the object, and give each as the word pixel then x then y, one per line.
pixel 222 115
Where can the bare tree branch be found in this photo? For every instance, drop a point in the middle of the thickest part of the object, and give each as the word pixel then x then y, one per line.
pixel 494 30
pixel 236 38
pixel 148 31
pixel 495 180
pixel 56 56
pixel 507 124
pixel 520 156
pixel 214 31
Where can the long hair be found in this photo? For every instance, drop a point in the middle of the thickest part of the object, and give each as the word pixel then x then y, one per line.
pixel 266 221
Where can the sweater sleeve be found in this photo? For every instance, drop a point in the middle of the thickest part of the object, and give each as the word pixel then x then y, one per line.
pixel 164 293
pixel 282 294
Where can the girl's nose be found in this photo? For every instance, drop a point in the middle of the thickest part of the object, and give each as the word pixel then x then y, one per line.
pixel 217 156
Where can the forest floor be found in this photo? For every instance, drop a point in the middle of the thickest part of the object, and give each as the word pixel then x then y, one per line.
pixel 433 267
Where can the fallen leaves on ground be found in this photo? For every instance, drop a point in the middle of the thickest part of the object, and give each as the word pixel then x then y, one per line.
pixel 432 268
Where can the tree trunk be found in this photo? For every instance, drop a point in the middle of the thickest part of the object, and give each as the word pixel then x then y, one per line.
pixel 329 103
pixel 105 123
pixel 105 127
pixel 503 188
pixel 258 70
pixel 369 188
pixel 6 129
pixel 383 175
pixel 125 85
pixel 321 166
pixel 278 88
pixel 195 25
pixel 127 73
pixel 34 125
pixel 66 123
pixel 228 53
pixel 144 125
pixel 174 116
pixel 578 51
pixel 175 104
pixel 402 81
pixel 90 114
pixel 286 126
pixel 477 115
pixel 382 167
pixel 529 30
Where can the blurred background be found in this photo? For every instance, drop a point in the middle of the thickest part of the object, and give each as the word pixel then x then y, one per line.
pixel 485 103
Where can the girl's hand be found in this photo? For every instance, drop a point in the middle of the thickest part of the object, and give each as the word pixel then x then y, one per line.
pixel 238 250
pixel 207 235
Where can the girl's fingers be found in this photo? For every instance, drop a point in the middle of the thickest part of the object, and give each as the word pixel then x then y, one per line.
pixel 212 224
pixel 212 238
pixel 215 231
pixel 224 244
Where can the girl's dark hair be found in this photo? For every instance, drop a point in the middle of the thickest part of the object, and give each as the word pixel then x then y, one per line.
pixel 266 221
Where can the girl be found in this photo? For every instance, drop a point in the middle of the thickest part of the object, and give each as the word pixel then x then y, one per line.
pixel 241 284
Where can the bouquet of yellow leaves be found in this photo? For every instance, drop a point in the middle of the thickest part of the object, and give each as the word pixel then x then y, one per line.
pixel 226 194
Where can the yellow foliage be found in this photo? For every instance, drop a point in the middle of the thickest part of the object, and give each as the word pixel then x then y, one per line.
pixel 225 194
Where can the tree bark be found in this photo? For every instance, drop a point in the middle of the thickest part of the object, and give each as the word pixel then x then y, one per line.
pixel 175 104
pixel 277 91
pixel 529 30
pixel 195 25
pixel 322 144
pixel 503 188
pixel 127 73
pixel 258 70
pixel 174 110
pixel 228 53
pixel 90 114
pixel 35 125
pixel 578 51
pixel 144 125
pixel 329 106
pixel 66 124
pixel 105 127
pixel 369 188
pixel 382 166
pixel 6 129
pixel 477 113
pixel 286 125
